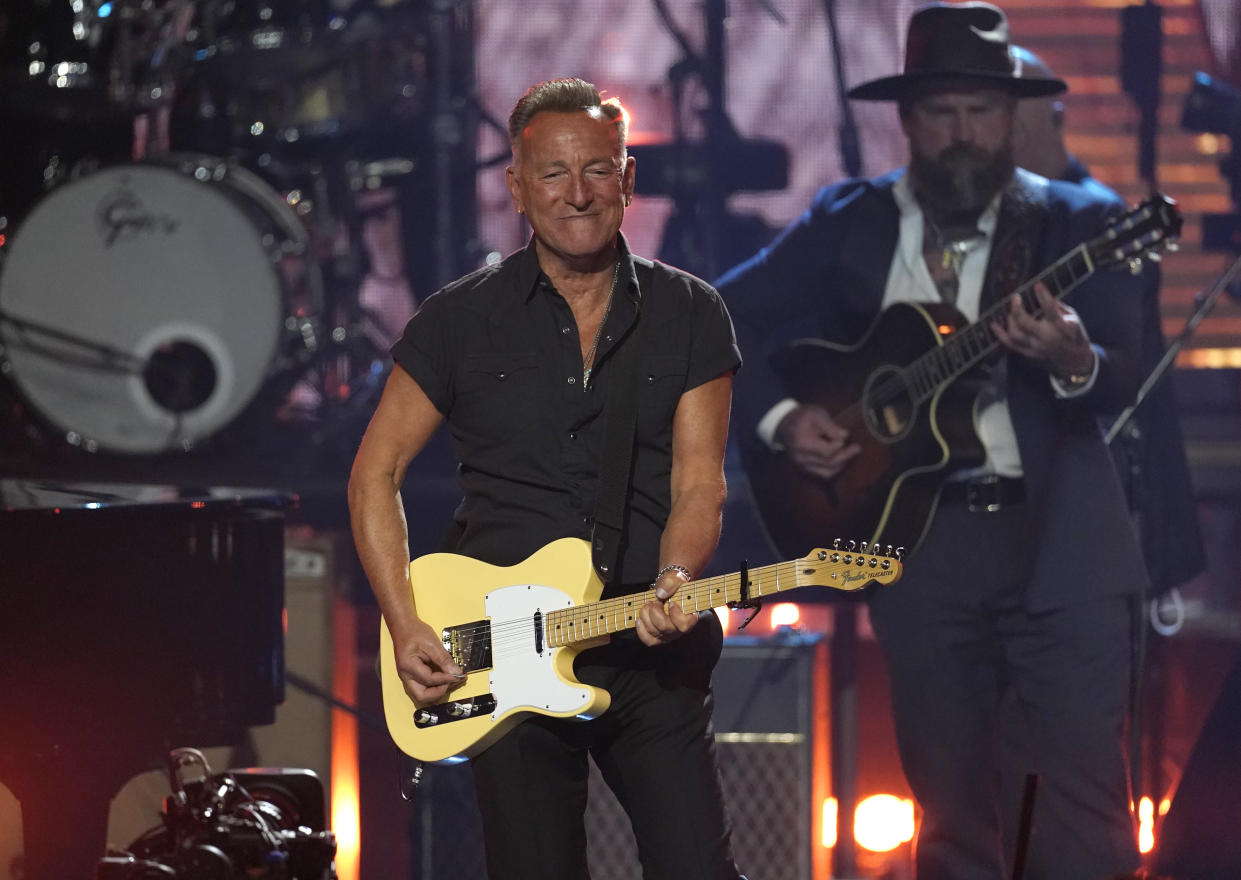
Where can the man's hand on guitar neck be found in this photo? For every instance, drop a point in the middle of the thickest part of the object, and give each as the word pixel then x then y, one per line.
pixel 662 622
pixel 1055 336
pixel 814 442
pixel 425 667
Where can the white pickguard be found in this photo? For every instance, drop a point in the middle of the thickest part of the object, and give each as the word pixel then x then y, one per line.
pixel 522 678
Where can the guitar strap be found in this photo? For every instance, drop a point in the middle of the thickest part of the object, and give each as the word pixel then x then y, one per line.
pixel 621 416
pixel 1019 234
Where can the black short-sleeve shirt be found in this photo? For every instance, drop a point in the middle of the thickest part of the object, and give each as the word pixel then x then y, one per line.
pixel 497 352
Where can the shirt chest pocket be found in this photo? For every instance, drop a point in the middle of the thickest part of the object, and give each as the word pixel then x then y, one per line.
pixel 662 382
pixel 497 394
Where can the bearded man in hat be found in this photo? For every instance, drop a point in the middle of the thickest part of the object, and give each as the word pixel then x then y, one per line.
pixel 1024 575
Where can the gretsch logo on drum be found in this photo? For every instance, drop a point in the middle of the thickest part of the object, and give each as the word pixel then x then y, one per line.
pixel 121 216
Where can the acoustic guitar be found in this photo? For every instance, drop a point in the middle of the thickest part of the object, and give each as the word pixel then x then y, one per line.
pixel 897 392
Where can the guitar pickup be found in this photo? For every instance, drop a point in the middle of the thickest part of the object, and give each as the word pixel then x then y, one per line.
pixel 454 710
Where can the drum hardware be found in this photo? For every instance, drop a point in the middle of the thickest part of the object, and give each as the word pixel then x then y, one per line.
pixel 318 99
pixel 188 281
pixel 179 376
pixel 78 60
pixel 292 76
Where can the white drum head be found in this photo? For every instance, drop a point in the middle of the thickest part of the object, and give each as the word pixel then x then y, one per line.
pixel 160 266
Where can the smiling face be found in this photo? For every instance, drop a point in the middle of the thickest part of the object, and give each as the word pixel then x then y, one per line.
pixel 571 177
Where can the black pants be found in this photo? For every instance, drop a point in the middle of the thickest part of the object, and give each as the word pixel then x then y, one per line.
pixel 655 749
pixel 959 643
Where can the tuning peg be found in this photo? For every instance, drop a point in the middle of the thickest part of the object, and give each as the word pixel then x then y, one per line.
pixel 835 543
pixel 900 552
pixel 1173 246
pixel 1135 265
pixel 852 546
pixel 1154 257
pixel 887 550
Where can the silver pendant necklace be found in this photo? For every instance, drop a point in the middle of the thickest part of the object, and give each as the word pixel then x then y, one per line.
pixel 589 363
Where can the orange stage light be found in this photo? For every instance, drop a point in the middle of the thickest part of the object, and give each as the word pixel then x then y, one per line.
pixel 345 784
pixel 784 614
pixel 882 822
pixel 1146 825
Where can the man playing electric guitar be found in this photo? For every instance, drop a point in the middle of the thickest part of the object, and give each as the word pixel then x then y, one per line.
pixel 525 361
pixel 1032 500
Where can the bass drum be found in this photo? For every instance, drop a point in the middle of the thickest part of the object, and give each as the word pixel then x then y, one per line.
pixel 144 306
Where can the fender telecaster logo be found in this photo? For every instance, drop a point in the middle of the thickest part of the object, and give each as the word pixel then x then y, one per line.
pixel 850 577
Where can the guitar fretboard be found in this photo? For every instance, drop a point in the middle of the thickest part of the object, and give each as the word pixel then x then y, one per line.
pixel 582 622
pixel 969 346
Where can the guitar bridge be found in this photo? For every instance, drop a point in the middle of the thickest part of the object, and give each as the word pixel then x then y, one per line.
pixel 454 710
pixel 469 644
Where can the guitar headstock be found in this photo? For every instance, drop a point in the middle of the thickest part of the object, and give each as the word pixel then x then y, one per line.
pixel 1150 227
pixel 850 565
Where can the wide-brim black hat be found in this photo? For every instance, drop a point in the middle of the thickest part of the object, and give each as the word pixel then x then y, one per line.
pixel 956 41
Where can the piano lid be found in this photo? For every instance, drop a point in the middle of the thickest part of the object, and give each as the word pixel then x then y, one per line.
pixel 35 497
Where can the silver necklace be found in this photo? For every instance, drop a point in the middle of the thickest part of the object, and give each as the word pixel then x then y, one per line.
pixel 589 363
pixel 953 250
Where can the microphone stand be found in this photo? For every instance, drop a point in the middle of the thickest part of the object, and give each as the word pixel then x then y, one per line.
pixel 850 154
pixel 1141 75
pixel 1204 302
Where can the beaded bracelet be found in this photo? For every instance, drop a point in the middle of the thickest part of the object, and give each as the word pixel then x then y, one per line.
pixel 677 568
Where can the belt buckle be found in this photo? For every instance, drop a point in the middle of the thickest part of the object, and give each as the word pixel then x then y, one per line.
pixel 982 495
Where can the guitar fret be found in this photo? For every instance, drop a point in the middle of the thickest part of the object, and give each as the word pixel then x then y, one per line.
pixel 1059 274
pixel 966 347
pixel 583 622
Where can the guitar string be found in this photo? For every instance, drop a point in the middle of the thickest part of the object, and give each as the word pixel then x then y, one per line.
pixel 768 576
pixel 925 371
pixel 610 611
pixel 914 374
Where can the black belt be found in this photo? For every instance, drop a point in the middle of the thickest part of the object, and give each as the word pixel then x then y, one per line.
pixel 984 494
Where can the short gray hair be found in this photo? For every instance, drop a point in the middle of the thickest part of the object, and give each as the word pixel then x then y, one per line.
pixel 566 95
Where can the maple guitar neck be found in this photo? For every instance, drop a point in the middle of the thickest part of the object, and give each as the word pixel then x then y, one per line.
pixel 840 568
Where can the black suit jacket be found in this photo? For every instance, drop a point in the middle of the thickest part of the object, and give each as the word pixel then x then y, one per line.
pixel 825 276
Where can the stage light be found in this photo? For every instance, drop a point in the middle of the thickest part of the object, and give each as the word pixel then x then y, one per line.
pixel 1146 825
pixel 882 822
pixel 1210 358
pixel 784 614
pixel 830 812
pixel 1208 144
